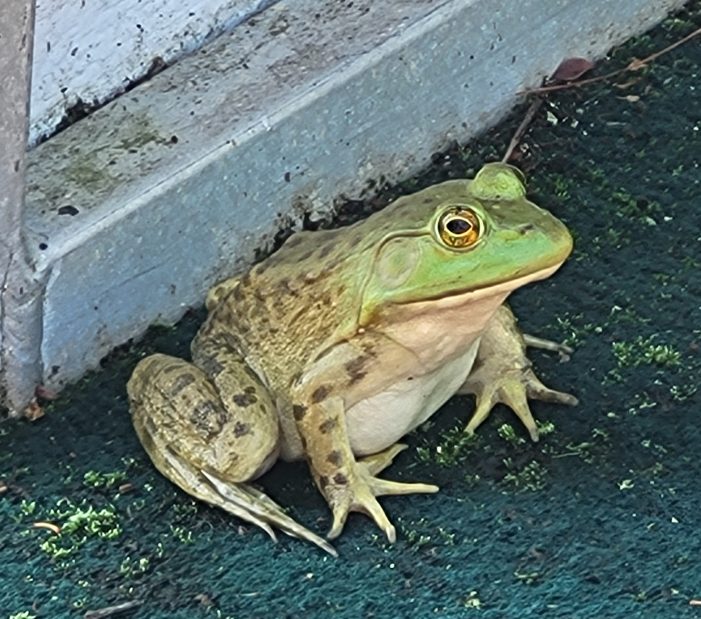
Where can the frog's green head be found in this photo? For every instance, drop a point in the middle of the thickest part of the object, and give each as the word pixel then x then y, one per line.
pixel 464 236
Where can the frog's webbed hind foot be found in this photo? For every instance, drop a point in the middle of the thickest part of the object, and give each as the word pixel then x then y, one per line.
pixel 243 501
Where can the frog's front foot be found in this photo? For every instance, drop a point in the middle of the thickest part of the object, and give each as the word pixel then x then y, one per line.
pixel 358 492
pixel 513 388
pixel 503 373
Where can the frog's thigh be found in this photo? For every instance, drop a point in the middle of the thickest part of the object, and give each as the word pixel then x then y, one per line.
pixel 225 425
pixel 209 434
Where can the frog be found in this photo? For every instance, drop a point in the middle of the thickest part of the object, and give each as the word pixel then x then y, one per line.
pixel 343 341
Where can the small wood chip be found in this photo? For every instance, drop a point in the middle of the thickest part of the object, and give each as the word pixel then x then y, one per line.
pixel 694 602
pixel 110 611
pixel 124 488
pixel 54 528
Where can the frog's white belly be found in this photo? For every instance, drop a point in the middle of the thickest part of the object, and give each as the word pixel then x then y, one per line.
pixel 381 420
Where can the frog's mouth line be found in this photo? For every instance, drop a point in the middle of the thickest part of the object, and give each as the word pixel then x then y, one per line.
pixel 503 288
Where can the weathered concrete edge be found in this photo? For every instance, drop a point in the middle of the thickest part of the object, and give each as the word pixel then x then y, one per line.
pixel 79 326
pixel 19 291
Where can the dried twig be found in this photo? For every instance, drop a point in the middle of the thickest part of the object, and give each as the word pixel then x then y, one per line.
pixel 109 611
pixel 522 128
pixel 633 65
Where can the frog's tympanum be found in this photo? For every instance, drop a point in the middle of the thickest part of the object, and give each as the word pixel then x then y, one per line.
pixel 345 340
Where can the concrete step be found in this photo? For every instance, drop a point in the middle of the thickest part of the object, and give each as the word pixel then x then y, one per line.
pixel 133 212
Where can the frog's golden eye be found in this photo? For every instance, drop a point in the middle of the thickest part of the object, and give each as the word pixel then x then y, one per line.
pixel 459 227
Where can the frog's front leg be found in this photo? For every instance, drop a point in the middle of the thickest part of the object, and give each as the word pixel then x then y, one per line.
pixel 210 429
pixel 502 373
pixel 348 485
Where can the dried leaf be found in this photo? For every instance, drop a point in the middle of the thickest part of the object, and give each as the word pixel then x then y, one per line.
pixel 45 393
pixel 33 411
pixel 630 98
pixel 572 69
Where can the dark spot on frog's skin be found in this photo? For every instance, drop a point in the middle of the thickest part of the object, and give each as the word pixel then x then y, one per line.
pixel 323 481
pixel 181 382
pixel 335 458
pixel 245 399
pixel 211 366
pixel 427 201
pixel 326 426
pixel 241 429
pixel 353 239
pixel 246 280
pixel 369 349
pixel 207 418
pixel 299 411
pixel 355 368
pixel 340 479
pixel 305 256
pixel 325 250
pixel 172 368
pixel 320 393
pixel 231 341
pixel 238 294
pixel 304 442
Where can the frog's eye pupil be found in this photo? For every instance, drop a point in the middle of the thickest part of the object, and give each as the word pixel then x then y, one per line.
pixel 458 226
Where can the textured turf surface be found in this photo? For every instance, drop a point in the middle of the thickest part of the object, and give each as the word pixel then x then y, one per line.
pixel 600 519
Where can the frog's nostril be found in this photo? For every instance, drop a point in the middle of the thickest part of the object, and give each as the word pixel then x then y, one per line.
pixel 526 228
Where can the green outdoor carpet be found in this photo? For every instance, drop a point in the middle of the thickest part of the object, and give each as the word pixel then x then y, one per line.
pixel 600 519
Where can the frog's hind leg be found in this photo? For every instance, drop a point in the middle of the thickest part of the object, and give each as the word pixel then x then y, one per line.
pixel 503 373
pixel 209 433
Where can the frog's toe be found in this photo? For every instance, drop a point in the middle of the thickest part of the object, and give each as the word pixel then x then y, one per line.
pixel 359 495
pixel 254 506
pixel 514 389
pixel 562 349
pixel 360 498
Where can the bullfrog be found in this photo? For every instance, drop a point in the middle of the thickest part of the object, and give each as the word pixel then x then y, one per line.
pixel 343 341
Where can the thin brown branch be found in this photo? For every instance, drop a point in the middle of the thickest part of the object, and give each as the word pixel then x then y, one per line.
pixel 633 65
pixel 522 128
